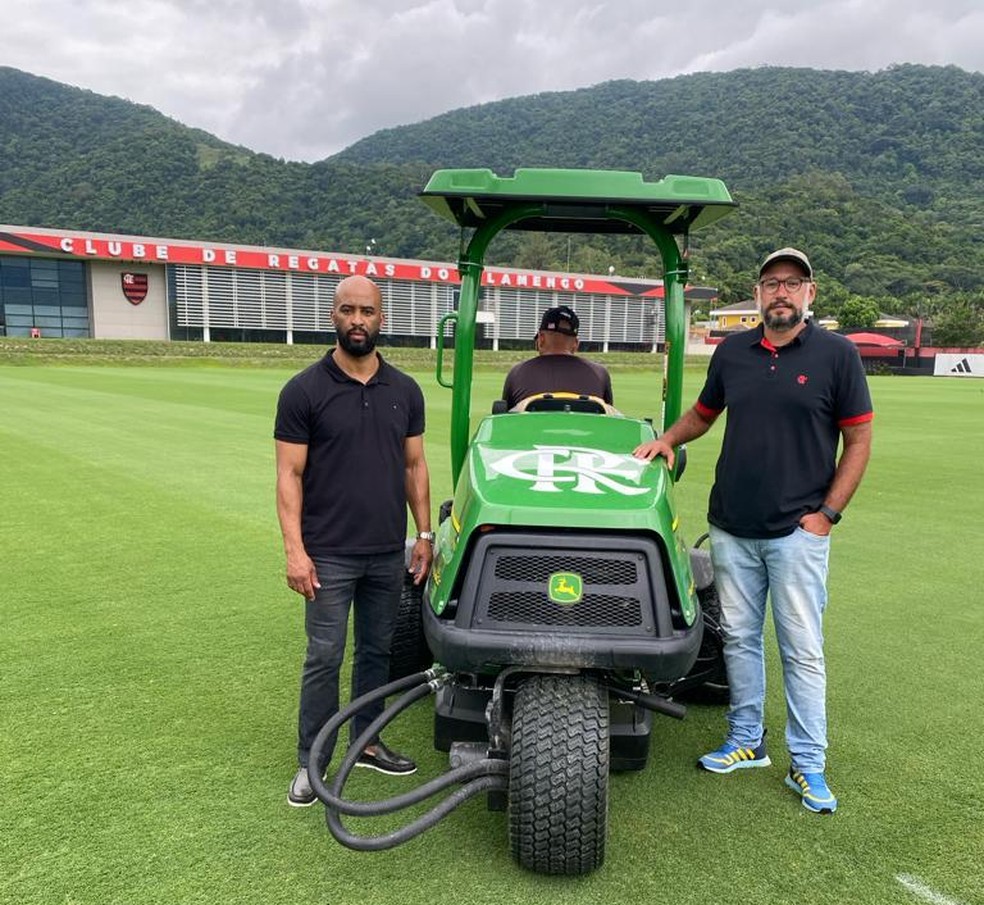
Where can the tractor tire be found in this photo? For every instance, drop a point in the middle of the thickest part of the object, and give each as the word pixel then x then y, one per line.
pixel 558 774
pixel 715 688
pixel 409 652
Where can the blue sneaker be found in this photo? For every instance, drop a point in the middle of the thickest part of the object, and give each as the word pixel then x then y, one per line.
pixel 813 790
pixel 730 757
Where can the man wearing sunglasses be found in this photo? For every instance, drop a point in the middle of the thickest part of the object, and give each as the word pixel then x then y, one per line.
pixel 793 392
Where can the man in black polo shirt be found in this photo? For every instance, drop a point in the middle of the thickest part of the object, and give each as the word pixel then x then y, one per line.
pixel 350 456
pixel 792 391
pixel 557 367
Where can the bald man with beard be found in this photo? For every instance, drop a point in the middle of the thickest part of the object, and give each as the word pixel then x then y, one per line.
pixel 350 458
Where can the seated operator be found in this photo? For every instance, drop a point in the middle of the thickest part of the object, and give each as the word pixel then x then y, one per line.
pixel 557 368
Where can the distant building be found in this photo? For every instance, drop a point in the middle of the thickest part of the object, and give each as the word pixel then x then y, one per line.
pixel 884 322
pixel 737 316
pixel 65 283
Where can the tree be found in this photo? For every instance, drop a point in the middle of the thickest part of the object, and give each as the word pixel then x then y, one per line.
pixel 536 253
pixel 858 312
pixel 959 324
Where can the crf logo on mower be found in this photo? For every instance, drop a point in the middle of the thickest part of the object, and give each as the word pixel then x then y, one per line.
pixel 554 469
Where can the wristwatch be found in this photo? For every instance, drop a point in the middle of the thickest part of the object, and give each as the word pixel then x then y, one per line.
pixel 833 516
pixel 426 535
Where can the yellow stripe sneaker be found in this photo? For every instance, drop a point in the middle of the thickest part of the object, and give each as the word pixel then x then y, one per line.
pixel 732 757
pixel 812 789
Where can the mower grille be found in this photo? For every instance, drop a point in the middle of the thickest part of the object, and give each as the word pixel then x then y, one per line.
pixel 592 570
pixel 594 610
pixel 616 593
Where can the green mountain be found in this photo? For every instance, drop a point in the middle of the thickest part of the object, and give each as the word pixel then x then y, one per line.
pixel 77 160
pixel 877 175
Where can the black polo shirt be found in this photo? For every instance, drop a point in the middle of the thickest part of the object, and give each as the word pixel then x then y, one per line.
pixel 785 409
pixel 355 477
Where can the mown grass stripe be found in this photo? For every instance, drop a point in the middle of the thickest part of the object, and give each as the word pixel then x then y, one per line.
pixel 150 655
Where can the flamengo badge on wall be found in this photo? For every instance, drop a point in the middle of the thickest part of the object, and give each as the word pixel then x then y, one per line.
pixel 135 287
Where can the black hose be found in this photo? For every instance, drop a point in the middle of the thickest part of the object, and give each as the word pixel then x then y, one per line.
pixel 477 777
pixel 484 775
pixel 488 783
pixel 333 797
pixel 347 712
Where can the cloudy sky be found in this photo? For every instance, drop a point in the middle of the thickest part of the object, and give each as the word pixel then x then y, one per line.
pixel 302 79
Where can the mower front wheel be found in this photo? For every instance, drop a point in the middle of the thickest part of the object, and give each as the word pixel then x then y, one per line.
pixel 558 774
pixel 409 652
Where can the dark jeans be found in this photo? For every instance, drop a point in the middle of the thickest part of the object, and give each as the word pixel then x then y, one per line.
pixel 372 585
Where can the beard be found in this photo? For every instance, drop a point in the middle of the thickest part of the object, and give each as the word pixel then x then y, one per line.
pixel 782 322
pixel 358 348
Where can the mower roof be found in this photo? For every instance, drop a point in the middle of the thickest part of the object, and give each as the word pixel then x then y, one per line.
pixel 577 200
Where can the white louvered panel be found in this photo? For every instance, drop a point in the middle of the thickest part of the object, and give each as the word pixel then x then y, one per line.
pixel 324 299
pixel 422 321
pixel 273 302
pixel 398 306
pixel 640 321
pixel 245 306
pixel 590 313
pixel 618 328
pixel 258 300
pixel 303 301
pixel 188 296
pixel 520 318
pixel 221 294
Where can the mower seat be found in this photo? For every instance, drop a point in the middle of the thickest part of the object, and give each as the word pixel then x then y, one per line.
pixel 562 402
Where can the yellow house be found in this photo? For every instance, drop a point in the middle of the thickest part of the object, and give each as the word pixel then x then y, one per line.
pixel 737 316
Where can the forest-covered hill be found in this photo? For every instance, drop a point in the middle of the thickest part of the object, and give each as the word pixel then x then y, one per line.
pixel 877 175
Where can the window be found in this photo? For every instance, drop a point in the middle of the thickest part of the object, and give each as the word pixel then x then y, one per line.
pixel 45 294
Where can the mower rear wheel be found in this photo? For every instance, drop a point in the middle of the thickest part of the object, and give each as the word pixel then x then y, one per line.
pixel 558 774
pixel 409 652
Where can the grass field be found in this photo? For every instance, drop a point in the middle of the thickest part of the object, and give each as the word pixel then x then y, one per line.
pixel 150 654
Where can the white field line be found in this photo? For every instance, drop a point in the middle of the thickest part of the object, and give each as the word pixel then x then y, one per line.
pixel 920 889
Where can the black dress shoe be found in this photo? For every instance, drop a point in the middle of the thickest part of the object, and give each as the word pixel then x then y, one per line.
pixel 300 794
pixel 386 761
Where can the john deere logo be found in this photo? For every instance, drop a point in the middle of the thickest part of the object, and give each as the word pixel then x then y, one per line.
pixel 565 587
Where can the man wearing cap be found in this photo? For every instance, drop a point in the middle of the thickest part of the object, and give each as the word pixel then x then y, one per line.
pixel 793 391
pixel 557 368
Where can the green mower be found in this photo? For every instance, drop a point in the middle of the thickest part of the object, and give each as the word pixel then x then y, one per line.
pixel 564 606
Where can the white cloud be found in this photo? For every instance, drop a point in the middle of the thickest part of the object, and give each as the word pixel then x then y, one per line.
pixel 302 79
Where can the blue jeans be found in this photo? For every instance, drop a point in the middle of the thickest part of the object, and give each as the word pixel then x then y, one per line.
pixel 792 571
pixel 371 585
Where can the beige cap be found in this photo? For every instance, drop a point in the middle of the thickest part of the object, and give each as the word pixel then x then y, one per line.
pixel 789 254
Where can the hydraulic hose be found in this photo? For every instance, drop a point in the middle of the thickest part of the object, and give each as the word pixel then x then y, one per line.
pixel 351 709
pixel 487 783
pixel 421 689
pixel 477 777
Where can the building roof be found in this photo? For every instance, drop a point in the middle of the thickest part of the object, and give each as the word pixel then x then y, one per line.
pixel 746 307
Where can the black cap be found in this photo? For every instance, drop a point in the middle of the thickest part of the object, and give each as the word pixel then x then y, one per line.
pixel 560 320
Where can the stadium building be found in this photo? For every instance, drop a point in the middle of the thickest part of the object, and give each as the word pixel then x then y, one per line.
pixel 65 283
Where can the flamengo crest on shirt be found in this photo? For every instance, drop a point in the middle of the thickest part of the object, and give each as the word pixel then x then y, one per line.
pixel 134 287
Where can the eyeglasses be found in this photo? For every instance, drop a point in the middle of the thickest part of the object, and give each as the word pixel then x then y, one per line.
pixel 791 283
